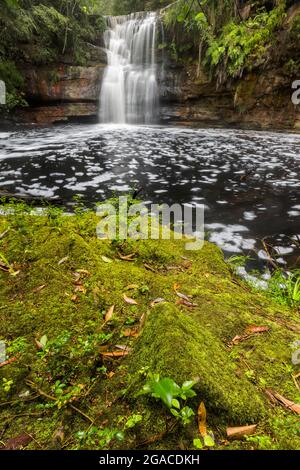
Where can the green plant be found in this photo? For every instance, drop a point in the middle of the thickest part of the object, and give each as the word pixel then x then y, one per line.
pixel 172 395
pixel 261 442
pixel 295 28
pixel 70 356
pixel 17 346
pixel 7 385
pixel 65 395
pixel 293 288
pixel 133 420
pixel 101 438
pixel 238 261
pixel 242 44
pixel 284 288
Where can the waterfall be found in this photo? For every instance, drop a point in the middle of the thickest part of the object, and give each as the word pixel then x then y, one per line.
pixel 129 92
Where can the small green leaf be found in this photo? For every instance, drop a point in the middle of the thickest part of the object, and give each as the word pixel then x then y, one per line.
pixel 133 421
pixel 165 389
pixel 208 441
pixel 197 444
pixel 188 384
pixel 176 403
pixel 43 341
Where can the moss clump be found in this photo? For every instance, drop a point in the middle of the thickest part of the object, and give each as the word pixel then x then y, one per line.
pixel 175 345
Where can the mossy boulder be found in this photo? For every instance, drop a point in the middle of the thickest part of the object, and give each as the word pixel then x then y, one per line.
pixel 174 344
pixel 61 282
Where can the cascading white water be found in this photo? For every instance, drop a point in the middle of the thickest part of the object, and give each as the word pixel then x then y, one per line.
pixel 129 92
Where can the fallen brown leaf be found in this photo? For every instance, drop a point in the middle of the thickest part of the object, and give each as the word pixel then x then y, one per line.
pixel 76 276
pixel 240 431
pixel 115 354
pixel 38 345
pixel 16 443
pixel 38 289
pixel 253 329
pixel 109 313
pixel 80 288
pixel 186 303
pixel 128 300
pixel 237 339
pixel 277 398
pixel 4 267
pixel 202 419
pixel 127 257
pixel 157 301
pixel 183 296
pixel 84 272
pixel 59 435
pixel 142 320
pixel 74 298
pixel 147 266
pixel 130 333
pixel 132 287
pixel 249 331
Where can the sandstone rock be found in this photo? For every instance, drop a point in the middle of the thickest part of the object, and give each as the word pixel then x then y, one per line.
pixel 58 113
pixel 63 83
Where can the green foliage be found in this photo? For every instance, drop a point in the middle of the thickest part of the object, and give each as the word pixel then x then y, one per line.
pixel 285 289
pixel 295 29
pixel 67 355
pixel 13 80
pixel 102 438
pixel 17 346
pixel 40 33
pixel 7 384
pixel 170 393
pixel 218 36
pixel 292 67
pixel 242 45
pixel 99 438
pixel 129 6
pixel 238 260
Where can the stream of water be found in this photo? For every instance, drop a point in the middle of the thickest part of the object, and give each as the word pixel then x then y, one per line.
pixel 129 92
pixel 248 181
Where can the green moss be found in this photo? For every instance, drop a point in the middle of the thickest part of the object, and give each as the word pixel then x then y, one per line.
pixel 182 343
pixel 174 345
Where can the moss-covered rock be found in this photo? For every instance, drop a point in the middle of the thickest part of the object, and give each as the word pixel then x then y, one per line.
pixel 176 345
pixel 61 282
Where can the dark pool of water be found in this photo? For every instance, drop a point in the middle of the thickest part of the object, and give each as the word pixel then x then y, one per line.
pixel 249 181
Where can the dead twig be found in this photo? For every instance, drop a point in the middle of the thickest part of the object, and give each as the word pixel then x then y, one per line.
pixel 158 437
pixel 9 361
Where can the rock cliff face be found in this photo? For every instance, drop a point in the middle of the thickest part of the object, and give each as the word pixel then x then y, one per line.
pixel 261 99
pixel 63 92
